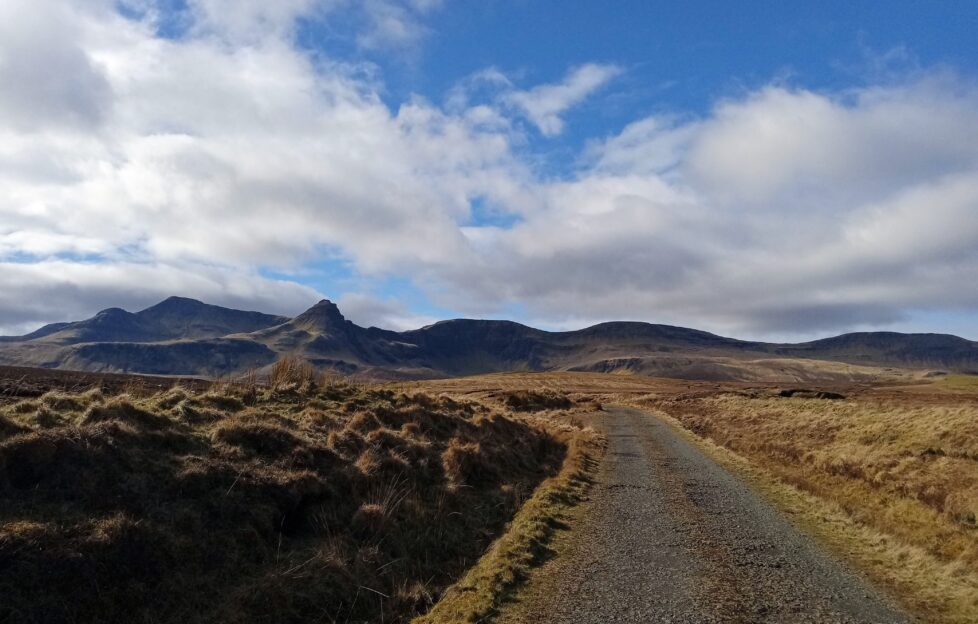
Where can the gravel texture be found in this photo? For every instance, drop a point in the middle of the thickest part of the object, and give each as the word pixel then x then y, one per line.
pixel 670 536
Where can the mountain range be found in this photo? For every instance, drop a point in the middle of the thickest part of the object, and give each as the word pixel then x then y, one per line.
pixel 181 336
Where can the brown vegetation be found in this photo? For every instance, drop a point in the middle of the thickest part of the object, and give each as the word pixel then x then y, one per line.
pixel 902 471
pixel 21 382
pixel 526 544
pixel 536 400
pixel 305 500
pixel 250 502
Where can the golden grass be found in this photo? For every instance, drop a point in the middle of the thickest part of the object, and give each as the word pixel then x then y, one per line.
pixel 887 479
pixel 892 484
pixel 413 472
pixel 959 383
pixel 307 499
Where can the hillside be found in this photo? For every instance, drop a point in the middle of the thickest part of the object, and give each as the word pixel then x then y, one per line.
pixel 186 337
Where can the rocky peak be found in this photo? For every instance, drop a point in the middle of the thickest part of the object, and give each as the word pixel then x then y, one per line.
pixel 110 315
pixel 323 317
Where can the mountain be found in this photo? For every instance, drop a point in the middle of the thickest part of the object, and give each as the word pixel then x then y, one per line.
pixel 178 336
pixel 176 318
pixel 891 349
pixel 186 337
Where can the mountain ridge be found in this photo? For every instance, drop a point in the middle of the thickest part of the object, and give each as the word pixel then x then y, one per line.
pixel 181 336
pixel 173 318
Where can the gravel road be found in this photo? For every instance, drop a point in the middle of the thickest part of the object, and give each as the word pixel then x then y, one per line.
pixel 670 536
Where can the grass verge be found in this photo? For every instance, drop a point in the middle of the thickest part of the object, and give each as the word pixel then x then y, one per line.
pixel 525 545
pixel 871 500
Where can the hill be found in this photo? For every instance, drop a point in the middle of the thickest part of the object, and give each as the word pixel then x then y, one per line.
pixel 176 318
pixel 187 337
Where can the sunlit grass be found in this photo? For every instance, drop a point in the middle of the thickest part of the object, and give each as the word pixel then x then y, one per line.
pixel 904 471
pixel 960 383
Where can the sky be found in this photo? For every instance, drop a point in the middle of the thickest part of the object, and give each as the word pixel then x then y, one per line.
pixel 764 170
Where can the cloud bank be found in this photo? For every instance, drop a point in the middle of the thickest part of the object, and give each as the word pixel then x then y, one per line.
pixel 135 164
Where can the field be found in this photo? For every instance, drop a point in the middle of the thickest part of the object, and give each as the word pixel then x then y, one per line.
pixel 313 499
pixel 888 476
pixel 306 499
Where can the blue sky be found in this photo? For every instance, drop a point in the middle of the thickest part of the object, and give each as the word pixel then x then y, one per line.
pixel 703 50
pixel 765 169
pixel 679 57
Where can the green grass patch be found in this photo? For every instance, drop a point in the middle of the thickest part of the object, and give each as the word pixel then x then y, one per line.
pixel 960 383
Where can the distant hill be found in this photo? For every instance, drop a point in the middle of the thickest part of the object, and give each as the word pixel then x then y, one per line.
pixel 186 337
pixel 176 318
pixel 891 349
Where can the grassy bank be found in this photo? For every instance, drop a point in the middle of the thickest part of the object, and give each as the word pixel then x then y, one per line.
pixel 309 500
pixel 892 484
pixel 510 560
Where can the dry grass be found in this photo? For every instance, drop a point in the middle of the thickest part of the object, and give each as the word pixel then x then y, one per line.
pixel 964 384
pixel 525 545
pixel 310 499
pixel 537 400
pixel 292 372
pixel 304 500
pixel 900 473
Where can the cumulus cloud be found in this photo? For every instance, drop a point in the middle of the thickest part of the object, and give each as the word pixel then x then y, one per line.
pixel 786 210
pixel 192 164
pixel 231 156
pixel 48 81
pixel 851 147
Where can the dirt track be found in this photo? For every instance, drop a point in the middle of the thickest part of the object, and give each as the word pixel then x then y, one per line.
pixel 670 536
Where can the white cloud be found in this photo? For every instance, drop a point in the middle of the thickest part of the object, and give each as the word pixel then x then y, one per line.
pixel 55 290
pixel 369 311
pixel 249 21
pixel 227 155
pixel 48 79
pixel 851 147
pixel 189 165
pixel 785 211
pixel 394 24
pixel 543 105
pixel 651 146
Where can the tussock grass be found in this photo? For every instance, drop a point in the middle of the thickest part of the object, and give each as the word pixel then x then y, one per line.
pixel 488 585
pixel 901 477
pixel 536 400
pixel 292 372
pixel 62 402
pixel 306 499
pixel 9 428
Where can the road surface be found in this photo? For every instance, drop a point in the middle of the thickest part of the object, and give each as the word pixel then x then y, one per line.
pixel 670 536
